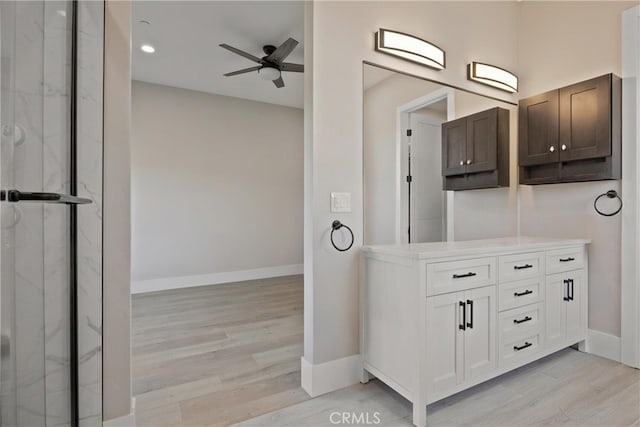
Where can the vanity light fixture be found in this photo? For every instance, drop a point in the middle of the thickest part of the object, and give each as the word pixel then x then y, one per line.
pixel 411 48
pixel 491 75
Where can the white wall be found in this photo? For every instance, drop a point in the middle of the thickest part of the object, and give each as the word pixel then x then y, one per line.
pixel 578 40
pixel 343 34
pixel 548 44
pixel 116 210
pixel 217 185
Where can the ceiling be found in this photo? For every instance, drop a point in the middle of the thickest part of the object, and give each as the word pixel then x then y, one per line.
pixel 186 36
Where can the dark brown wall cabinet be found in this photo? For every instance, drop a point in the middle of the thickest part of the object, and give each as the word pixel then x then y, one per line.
pixel 571 134
pixel 475 151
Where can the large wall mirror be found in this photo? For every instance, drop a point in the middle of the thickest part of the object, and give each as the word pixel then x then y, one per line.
pixel 400 210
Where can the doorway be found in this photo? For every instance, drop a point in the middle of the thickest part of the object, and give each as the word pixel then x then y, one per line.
pixel 217 210
pixel 424 206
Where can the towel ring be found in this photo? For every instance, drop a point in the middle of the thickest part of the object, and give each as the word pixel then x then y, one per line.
pixel 610 194
pixel 337 225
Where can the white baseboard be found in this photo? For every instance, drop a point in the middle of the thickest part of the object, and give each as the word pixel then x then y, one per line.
pixel 603 345
pixel 330 376
pixel 165 283
pixel 126 421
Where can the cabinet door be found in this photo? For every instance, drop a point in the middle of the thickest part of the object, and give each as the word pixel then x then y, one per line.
pixel 538 129
pixel 555 310
pixel 482 141
pixel 585 119
pixel 576 315
pixel 454 147
pixel 444 342
pixel 480 333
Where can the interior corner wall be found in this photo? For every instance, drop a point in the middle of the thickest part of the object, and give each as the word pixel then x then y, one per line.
pixel 217 185
pixel 116 211
pixel 563 43
pixel 343 34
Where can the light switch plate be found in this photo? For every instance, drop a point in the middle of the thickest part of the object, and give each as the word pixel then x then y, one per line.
pixel 340 202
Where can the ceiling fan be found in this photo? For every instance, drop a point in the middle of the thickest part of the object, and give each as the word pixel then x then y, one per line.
pixel 272 65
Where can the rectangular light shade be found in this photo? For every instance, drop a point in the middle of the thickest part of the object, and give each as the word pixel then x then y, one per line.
pixel 410 48
pixel 492 76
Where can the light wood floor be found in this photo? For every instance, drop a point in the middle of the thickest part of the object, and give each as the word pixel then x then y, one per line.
pixel 568 388
pixel 217 355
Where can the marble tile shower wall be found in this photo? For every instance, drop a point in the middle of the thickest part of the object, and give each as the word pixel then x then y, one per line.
pixel 39 96
pixel 89 104
pixel 29 228
pixel 55 167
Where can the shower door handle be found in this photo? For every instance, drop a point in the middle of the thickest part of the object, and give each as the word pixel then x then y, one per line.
pixel 21 196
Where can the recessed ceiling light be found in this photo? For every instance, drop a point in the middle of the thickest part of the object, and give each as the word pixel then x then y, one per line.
pixel 147 48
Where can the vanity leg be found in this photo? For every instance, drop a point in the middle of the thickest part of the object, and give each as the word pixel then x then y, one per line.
pixel 419 414
pixel 582 346
pixel 365 376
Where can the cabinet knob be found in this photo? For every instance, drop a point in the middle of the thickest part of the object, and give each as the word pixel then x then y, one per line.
pixel 461 162
pixel 564 147
pixel 552 148
pixel 468 162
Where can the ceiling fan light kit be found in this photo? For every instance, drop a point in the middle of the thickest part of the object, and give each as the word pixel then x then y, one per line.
pixel 269 73
pixel 272 65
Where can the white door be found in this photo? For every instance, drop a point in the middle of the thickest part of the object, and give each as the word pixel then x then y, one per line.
pixel 480 332
pixel 426 219
pixel 555 309
pixel 445 343
pixel 575 308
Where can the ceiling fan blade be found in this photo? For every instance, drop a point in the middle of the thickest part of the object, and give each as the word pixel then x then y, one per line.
pixel 296 68
pixel 246 70
pixel 279 82
pixel 282 51
pixel 241 53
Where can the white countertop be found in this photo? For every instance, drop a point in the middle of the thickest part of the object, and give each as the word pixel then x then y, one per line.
pixel 473 247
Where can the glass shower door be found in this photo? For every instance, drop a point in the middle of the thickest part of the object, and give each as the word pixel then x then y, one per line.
pixel 37 214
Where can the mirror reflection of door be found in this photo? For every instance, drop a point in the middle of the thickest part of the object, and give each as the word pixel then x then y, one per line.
pixel 394 102
pixel 425 195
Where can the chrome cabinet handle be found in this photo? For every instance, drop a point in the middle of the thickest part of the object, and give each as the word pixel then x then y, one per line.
pixel 468 162
pixel 564 147
pixel 461 162
pixel 552 148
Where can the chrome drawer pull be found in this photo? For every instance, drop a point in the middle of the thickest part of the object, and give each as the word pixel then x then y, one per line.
pixel 567 259
pixel 526 319
pixel 460 276
pixel 522 347
pixel 522 267
pixel 520 294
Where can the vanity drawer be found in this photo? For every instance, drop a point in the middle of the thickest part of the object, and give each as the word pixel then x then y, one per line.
pixel 518 294
pixel 565 259
pixel 512 351
pixel 445 277
pixel 521 322
pixel 520 266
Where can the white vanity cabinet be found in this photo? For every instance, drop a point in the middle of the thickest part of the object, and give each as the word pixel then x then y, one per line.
pixel 437 318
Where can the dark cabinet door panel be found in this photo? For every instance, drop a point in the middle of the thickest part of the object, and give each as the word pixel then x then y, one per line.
pixel 585 120
pixel 482 141
pixel 454 147
pixel 538 129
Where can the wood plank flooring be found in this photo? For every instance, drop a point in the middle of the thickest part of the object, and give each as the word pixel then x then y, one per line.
pixel 225 354
pixel 568 388
pixel 217 355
